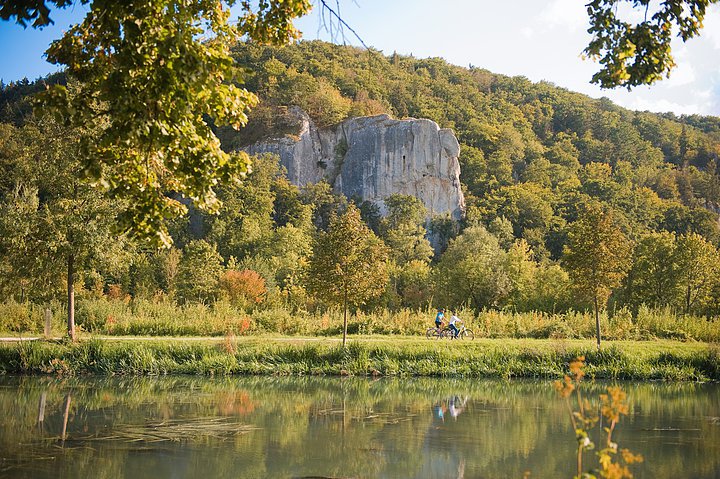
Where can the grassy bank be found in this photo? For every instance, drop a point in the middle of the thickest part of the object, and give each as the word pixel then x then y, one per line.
pixel 663 360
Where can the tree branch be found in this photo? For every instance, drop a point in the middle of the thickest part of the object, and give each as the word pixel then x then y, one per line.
pixel 342 24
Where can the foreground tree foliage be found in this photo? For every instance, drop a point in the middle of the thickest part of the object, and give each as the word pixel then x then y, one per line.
pixel 639 54
pixel 150 74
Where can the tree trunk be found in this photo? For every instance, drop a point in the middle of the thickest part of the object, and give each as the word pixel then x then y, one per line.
pixel 71 296
pixel 344 315
pixel 597 321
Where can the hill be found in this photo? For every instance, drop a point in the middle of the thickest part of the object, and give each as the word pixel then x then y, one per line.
pixel 530 152
pixel 537 162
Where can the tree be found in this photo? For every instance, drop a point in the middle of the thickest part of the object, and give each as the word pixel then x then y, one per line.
pixel 243 287
pixel 288 209
pixel 550 289
pixel 698 264
pixel 199 272
pixel 526 205
pixel 597 256
pixel 245 220
pixel 412 284
pixel 683 220
pixel 143 277
pixel 403 229
pixel 472 271
pixel 639 54
pixel 521 272
pixel 150 74
pixel 168 261
pixel 52 225
pixel 323 201
pixel 653 278
pixel 286 252
pixel 443 228
pixel 348 265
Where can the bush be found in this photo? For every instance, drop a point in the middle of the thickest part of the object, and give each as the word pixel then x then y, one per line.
pixel 20 317
pixel 243 288
pixel 30 318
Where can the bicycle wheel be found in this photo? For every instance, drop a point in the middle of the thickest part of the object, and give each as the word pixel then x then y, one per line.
pixel 447 334
pixel 431 333
pixel 467 334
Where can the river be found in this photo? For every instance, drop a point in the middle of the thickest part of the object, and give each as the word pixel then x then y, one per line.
pixel 279 427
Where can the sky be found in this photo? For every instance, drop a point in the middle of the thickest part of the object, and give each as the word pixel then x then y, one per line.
pixel 541 40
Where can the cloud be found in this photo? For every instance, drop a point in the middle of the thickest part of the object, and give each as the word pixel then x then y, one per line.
pixel 567 14
pixel 683 74
pixel 711 26
pixel 662 105
pixel 527 32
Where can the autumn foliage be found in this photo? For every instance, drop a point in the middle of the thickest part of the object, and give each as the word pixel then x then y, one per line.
pixel 243 287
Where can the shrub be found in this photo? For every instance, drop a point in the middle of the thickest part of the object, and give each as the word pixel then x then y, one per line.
pixel 243 287
pixel 20 317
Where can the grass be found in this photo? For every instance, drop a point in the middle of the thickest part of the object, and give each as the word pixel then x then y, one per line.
pixel 364 356
pixel 103 316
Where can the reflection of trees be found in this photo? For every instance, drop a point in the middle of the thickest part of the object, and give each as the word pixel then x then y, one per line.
pixel 339 427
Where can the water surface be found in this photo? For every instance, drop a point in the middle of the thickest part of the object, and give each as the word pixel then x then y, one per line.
pixel 188 427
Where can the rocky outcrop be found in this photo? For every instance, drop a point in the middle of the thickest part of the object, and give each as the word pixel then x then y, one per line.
pixel 374 157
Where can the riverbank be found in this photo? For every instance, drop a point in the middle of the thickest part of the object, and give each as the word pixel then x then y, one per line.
pixel 364 356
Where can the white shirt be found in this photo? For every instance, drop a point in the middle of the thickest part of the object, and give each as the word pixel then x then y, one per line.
pixel 454 319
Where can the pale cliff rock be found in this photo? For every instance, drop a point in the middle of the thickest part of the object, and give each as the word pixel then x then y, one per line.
pixel 374 157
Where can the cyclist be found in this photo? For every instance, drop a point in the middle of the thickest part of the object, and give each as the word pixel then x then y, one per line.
pixel 454 320
pixel 440 318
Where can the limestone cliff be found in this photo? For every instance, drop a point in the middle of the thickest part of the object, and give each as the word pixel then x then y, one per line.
pixel 374 157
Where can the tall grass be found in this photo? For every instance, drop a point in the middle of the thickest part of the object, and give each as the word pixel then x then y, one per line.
pixel 151 318
pixel 487 358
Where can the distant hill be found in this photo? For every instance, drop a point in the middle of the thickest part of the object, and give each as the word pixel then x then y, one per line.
pixel 533 160
pixel 530 152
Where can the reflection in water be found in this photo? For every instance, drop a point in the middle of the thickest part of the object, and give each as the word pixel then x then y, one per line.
pixel 187 427
pixel 453 406
pixel 65 418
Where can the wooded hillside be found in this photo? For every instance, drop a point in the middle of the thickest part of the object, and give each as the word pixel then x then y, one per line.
pixel 541 166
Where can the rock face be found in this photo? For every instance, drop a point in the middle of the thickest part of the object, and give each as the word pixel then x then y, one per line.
pixel 374 157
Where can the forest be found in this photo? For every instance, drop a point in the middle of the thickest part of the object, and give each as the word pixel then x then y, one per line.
pixel 572 204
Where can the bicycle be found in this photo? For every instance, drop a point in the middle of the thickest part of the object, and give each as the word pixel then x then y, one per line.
pixel 464 333
pixel 435 333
